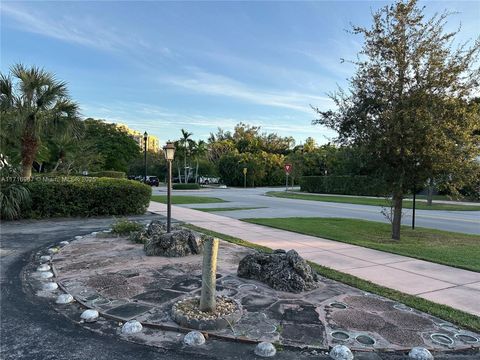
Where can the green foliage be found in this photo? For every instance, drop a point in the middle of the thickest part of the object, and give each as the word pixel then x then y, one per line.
pixel 34 105
pixel 83 196
pixel 156 165
pixel 12 195
pixel 109 174
pixel 346 185
pixel 124 227
pixel 115 146
pixel 409 105
pixel 188 186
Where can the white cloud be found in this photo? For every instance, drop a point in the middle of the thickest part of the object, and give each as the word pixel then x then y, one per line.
pixel 86 31
pixel 212 84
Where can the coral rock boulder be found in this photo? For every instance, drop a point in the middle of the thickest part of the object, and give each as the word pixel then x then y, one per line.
pixel 174 244
pixel 283 271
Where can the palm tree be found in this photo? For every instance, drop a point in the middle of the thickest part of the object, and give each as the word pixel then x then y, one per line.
pixel 199 151
pixel 186 142
pixel 35 104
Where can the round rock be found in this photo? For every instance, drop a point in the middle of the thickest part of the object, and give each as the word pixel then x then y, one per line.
pixel 64 299
pixel 78 237
pixel 45 274
pixel 265 349
pixel 43 267
pixel 45 258
pixel 194 338
pixel 52 250
pixel 50 286
pixel 64 243
pixel 420 353
pixel 132 327
pixel 341 352
pixel 89 315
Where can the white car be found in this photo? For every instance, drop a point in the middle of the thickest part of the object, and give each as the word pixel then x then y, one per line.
pixel 206 180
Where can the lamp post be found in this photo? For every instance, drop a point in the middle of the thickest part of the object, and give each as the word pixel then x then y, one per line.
pixel 169 150
pixel 145 138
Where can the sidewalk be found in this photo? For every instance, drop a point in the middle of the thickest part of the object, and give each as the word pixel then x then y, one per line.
pixel 439 283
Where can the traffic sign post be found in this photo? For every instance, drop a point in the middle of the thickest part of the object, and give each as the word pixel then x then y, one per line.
pixel 288 169
pixel 245 177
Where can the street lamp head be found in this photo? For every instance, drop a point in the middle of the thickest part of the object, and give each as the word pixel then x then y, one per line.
pixel 169 150
pixel 145 136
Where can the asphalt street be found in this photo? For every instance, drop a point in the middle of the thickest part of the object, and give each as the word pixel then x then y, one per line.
pixel 30 328
pixel 272 207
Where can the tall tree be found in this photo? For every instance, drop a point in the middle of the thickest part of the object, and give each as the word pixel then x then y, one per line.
pixel 186 143
pixel 409 103
pixel 33 101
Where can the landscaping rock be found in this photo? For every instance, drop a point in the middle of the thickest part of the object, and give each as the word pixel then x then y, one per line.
pixel 420 353
pixel 283 271
pixel 64 299
pixel 132 327
pixel 265 349
pixel 45 258
pixel 53 250
pixel 89 315
pixel 341 352
pixel 50 286
pixel 64 243
pixel 194 338
pixel 43 267
pixel 175 244
pixel 45 274
pixel 154 229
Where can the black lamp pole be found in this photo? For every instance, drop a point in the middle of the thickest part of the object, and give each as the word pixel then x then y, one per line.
pixel 145 138
pixel 169 150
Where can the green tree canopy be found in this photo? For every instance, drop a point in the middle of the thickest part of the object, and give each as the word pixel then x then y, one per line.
pixel 409 103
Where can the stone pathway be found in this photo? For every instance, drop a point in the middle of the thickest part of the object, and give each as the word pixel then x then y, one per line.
pixel 439 283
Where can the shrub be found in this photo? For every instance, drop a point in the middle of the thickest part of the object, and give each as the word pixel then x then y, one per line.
pixel 188 186
pixel 84 196
pixel 109 174
pixel 126 227
pixel 346 185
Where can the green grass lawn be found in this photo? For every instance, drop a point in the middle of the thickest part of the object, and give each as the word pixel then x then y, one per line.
pixel 226 209
pixel 361 200
pixel 443 247
pixel 186 199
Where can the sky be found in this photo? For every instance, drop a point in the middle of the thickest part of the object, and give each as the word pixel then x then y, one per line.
pixel 163 66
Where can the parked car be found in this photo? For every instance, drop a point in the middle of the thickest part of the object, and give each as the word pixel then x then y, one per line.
pixel 152 181
pixel 206 180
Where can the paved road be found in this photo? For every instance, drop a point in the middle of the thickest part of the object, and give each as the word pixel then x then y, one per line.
pixel 460 221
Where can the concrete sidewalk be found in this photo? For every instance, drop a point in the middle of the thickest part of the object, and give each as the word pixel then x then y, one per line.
pixel 439 283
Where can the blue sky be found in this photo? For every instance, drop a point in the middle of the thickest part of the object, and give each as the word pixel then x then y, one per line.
pixel 163 66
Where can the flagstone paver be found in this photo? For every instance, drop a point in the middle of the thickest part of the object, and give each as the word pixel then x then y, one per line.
pixel 440 283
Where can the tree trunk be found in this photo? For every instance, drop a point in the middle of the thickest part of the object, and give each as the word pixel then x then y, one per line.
pixel 196 173
pixel 209 275
pixel 29 150
pixel 397 216
pixel 185 166
pixel 430 192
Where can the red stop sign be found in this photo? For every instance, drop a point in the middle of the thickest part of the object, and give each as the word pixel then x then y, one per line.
pixel 288 168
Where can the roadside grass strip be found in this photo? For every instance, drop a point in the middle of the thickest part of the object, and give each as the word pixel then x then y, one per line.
pixel 444 312
pixel 361 200
pixel 227 209
pixel 442 247
pixel 186 199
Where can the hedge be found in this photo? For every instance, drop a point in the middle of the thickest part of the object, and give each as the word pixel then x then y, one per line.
pixel 346 185
pixel 109 174
pixel 84 196
pixel 188 186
